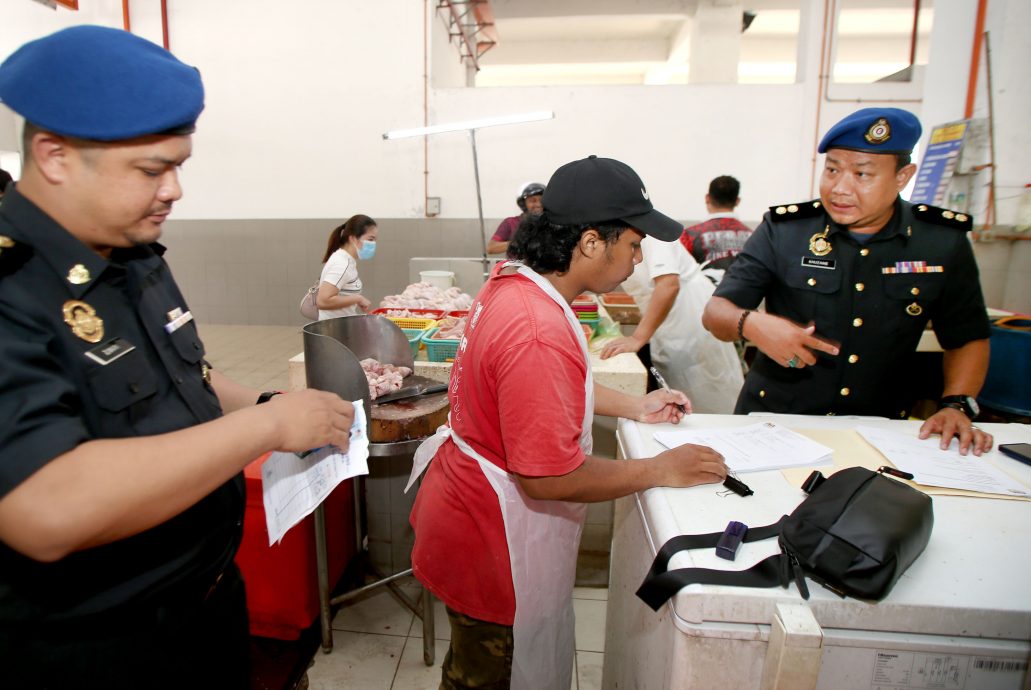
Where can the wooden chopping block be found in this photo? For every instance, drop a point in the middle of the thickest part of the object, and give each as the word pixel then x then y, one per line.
pixel 408 419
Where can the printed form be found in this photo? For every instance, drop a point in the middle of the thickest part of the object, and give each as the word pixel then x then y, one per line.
pixel 293 485
pixel 931 465
pixel 754 448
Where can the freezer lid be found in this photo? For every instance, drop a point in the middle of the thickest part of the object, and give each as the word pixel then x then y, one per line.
pixel 970 581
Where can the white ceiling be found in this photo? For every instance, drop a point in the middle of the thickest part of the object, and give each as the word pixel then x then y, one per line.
pixel 630 41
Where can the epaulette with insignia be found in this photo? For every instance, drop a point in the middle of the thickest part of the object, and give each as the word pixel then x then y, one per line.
pixel 943 216
pixel 804 209
pixel 12 255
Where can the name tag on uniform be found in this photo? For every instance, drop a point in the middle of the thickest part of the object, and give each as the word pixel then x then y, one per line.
pixel 105 353
pixel 817 262
pixel 177 322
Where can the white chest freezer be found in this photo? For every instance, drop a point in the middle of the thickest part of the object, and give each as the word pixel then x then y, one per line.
pixel 958 619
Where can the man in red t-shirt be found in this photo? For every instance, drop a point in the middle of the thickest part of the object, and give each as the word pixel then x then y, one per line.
pixel 715 242
pixel 529 201
pixel 495 519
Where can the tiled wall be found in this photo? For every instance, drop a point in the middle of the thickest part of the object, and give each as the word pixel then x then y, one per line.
pixel 255 271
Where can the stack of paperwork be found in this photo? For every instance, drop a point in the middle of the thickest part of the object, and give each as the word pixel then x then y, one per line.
pixel 294 484
pixel 754 448
pixel 932 466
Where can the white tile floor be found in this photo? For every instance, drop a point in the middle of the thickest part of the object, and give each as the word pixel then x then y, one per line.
pixel 377 644
pixel 377 641
pixel 254 356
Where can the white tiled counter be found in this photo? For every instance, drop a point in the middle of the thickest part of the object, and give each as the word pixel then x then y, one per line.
pixel 624 372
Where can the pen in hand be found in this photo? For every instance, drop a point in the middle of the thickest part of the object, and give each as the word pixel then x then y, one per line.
pixel 665 386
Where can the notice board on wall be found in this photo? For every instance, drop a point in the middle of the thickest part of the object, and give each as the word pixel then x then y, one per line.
pixel 939 163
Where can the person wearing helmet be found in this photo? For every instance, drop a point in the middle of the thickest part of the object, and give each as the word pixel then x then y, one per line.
pixel 529 201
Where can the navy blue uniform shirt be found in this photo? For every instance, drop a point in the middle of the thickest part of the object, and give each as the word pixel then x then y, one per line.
pixel 874 299
pixel 57 396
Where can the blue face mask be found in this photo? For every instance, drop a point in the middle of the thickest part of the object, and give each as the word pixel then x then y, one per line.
pixel 367 250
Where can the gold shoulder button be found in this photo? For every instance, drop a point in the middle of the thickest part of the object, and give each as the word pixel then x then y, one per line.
pixel 943 216
pixel 801 209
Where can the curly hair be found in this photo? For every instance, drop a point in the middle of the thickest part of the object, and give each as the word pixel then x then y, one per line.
pixel 548 248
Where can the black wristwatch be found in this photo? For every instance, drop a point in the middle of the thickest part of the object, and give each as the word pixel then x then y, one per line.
pixel 964 403
pixel 266 396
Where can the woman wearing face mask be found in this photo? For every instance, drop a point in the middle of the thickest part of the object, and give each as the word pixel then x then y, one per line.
pixel 340 287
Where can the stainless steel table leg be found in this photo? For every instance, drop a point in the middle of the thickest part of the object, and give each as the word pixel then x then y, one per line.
pixel 322 569
pixel 428 625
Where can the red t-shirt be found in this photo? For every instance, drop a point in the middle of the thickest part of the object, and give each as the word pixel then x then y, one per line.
pixel 506 229
pixel 517 398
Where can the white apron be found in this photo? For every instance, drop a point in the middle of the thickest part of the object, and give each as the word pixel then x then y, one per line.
pixel 543 539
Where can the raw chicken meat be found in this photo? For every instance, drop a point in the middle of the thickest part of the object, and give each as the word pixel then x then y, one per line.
pixel 451 328
pixel 408 313
pixel 383 378
pixel 426 296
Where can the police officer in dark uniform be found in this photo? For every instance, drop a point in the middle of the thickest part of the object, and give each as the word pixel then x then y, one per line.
pixel 850 282
pixel 121 494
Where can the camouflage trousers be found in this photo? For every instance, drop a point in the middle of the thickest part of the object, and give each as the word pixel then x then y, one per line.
pixel 480 655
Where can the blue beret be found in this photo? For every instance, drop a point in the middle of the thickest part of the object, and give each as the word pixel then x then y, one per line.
pixel 877 130
pixel 102 84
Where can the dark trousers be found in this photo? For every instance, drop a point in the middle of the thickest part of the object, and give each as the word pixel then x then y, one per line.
pixel 479 657
pixel 191 641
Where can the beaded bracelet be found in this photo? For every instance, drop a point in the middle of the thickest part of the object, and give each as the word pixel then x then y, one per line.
pixel 741 324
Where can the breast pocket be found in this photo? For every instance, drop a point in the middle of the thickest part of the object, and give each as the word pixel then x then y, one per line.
pixel 910 296
pixel 120 384
pixel 186 342
pixel 815 294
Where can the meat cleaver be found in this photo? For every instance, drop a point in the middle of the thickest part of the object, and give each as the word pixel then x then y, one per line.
pixel 413 386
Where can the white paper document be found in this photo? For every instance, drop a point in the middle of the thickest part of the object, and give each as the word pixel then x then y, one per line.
pixel 293 486
pixel 931 465
pixel 762 446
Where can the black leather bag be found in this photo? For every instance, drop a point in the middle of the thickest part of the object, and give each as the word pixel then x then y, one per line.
pixel 855 533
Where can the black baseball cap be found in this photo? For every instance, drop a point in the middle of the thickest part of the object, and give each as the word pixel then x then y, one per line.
pixel 597 190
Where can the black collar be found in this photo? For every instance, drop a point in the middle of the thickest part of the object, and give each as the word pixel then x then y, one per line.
pixel 62 251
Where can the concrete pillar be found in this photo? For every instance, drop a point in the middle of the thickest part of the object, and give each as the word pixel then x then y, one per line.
pixel 715 42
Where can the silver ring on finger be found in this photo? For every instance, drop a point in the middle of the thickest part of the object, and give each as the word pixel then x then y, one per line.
pixel 793 362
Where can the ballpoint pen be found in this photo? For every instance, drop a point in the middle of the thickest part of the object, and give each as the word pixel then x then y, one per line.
pixel 665 386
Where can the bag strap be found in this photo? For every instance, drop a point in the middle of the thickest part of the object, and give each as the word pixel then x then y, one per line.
pixel 660 585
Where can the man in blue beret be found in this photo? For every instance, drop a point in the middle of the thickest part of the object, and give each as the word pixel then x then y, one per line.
pixel 850 281
pixel 121 494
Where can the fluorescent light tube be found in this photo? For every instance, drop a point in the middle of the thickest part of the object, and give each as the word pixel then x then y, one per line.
pixel 471 124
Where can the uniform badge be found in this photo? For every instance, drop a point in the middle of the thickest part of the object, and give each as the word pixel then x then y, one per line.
pixel 879 132
pixel 818 243
pixel 83 320
pixel 914 309
pixel 78 274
